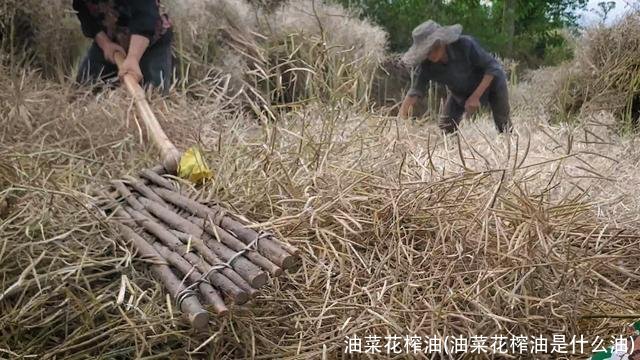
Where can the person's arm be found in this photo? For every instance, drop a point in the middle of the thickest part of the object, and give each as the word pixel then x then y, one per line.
pixel 473 102
pixel 144 17
pixel 137 46
pixel 492 69
pixel 109 48
pixel 419 82
pixel 131 65
pixel 91 29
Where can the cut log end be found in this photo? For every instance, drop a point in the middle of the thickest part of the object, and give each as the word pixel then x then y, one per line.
pixel 254 293
pixel 260 280
pixel 241 298
pixel 290 248
pixel 199 320
pixel 277 271
pixel 221 312
pixel 291 262
pixel 297 265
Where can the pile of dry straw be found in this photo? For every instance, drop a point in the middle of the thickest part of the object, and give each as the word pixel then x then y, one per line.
pixel 605 74
pixel 403 231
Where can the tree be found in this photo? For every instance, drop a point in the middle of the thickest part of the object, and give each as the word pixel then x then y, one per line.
pixel 509 25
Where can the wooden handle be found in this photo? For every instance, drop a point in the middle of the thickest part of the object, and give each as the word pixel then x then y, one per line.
pixel 168 152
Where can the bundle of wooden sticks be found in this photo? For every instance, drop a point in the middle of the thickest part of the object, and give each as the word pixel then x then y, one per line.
pixel 199 252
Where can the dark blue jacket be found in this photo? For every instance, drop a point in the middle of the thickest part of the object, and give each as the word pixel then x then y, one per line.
pixel 467 64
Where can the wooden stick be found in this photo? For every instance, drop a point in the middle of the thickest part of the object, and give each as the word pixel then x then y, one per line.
pixel 158 170
pixel 217 233
pixel 127 195
pixel 250 272
pixel 146 220
pixel 244 290
pixel 157 179
pixel 168 152
pixel 210 294
pixel 227 280
pixel 237 279
pixel 197 316
pixel 145 191
pixel 285 258
pixel 232 284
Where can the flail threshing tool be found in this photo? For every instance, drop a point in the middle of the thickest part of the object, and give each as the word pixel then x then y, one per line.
pixel 201 253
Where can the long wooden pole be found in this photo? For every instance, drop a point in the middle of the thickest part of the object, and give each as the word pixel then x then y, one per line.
pixel 168 152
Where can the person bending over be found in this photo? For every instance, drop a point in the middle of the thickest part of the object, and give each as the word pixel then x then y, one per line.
pixel 137 28
pixel 472 76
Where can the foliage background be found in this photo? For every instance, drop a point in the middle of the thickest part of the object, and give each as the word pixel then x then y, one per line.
pixel 532 32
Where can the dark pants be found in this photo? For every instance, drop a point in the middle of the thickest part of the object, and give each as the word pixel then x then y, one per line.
pixel 496 97
pixel 156 66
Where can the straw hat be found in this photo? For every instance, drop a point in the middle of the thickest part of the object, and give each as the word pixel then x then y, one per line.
pixel 425 36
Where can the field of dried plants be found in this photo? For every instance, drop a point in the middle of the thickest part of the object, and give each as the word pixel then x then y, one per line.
pixel 403 231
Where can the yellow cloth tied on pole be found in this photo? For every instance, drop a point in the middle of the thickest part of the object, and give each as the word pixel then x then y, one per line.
pixel 193 167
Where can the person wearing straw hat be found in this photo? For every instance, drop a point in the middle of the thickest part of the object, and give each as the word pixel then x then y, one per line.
pixel 138 28
pixel 472 76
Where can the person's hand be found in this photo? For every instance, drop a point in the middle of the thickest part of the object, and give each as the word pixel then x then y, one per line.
pixel 403 113
pixel 407 105
pixel 108 47
pixel 109 50
pixel 130 67
pixel 471 105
